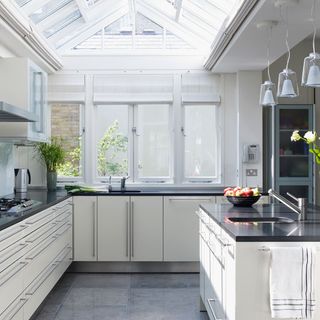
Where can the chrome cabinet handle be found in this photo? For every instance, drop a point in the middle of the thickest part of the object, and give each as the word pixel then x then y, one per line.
pixel 93 229
pixel 212 310
pixel 132 229
pixel 11 273
pixel 127 229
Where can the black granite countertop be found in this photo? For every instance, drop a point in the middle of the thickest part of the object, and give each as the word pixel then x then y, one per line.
pixel 157 192
pixel 46 199
pixel 297 231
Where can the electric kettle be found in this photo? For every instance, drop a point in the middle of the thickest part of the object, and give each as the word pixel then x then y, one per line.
pixel 20 181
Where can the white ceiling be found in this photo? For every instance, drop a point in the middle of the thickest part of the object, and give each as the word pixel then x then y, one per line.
pixel 247 50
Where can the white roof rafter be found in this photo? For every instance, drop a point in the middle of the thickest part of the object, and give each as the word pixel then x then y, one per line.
pixel 178 9
pixel 120 10
pixel 83 7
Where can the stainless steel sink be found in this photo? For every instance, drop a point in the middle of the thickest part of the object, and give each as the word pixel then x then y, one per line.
pixel 260 220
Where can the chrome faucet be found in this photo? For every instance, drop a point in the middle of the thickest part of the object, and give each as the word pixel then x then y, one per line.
pixel 110 184
pixel 123 183
pixel 300 209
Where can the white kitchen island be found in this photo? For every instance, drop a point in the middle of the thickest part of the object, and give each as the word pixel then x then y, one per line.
pixel 235 258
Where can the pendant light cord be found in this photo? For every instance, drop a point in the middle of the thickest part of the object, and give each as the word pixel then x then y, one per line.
pixel 268 51
pixel 313 17
pixel 285 21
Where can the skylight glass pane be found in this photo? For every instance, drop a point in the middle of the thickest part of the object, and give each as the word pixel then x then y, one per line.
pixel 48 9
pixel 93 43
pixel 91 2
pixel 119 34
pixel 148 33
pixel 62 23
pixel 174 42
pixel 21 3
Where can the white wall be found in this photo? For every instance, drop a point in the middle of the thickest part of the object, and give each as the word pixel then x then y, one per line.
pixel 6 150
pixel 249 124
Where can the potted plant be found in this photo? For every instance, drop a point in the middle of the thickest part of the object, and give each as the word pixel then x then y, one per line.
pixel 52 154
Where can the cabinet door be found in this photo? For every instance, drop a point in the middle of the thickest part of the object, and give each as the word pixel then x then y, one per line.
pixel 113 228
pixel 146 228
pixel 85 228
pixel 181 228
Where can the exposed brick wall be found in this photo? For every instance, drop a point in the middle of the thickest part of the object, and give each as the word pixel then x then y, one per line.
pixel 65 123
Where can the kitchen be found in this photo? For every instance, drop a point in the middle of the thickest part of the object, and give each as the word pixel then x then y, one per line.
pixel 122 123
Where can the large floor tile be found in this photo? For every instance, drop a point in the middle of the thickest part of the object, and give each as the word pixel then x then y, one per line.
pixel 124 297
pixel 165 281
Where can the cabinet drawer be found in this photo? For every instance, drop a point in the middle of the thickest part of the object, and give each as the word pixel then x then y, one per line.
pixel 12 234
pixel 44 283
pixel 40 219
pixel 11 283
pixel 43 255
pixel 15 310
pixel 11 254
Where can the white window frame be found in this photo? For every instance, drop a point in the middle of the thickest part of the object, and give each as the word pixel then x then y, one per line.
pixel 82 132
pixel 158 180
pixel 204 180
pixel 133 148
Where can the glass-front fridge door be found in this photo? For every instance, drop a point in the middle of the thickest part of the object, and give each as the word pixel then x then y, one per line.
pixel 294 162
pixel 38 104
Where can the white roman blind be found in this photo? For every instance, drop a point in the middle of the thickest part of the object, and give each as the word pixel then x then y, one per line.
pixel 66 88
pixel 133 88
pixel 200 88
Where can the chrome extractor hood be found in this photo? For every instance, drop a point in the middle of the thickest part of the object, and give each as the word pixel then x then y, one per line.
pixel 9 113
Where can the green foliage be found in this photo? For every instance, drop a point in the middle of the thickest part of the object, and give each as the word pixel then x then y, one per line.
pixel 52 153
pixel 70 168
pixel 110 145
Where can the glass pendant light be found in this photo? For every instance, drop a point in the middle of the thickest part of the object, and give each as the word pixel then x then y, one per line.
pixel 287 80
pixel 311 64
pixel 267 89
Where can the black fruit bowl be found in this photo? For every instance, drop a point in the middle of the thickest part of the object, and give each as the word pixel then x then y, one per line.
pixel 243 201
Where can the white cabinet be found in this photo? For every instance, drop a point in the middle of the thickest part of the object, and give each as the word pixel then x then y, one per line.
pixel 24 84
pixel 113 228
pixel 85 228
pixel 118 228
pixel 34 255
pixel 146 228
pixel 181 227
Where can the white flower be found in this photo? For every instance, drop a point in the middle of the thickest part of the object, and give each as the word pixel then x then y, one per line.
pixel 310 137
pixel 295 136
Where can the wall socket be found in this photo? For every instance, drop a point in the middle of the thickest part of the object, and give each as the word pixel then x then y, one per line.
pixel 251 172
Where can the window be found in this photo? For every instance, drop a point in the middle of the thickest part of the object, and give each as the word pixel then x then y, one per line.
pixel 134 140
pixel 66 124
pixel 201 148
pixel 153 137
pixel 112 130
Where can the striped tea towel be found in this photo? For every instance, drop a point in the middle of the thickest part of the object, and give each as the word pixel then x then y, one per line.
pixel 292 293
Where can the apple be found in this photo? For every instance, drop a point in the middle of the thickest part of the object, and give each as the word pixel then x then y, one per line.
pixel 256 192
pixel 229 193
pixel 247 193
pixel 227 189
pixel 238 193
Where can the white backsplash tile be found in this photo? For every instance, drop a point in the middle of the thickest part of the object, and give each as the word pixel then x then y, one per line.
pixel 6 169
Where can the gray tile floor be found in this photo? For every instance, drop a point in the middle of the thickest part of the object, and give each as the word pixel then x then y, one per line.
pixel 124 297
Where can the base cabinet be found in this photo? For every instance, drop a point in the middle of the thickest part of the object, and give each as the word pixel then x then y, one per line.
pixel 181 228
pixel 85 228
pixel 113 228
pixel 118 228
pixel 146 229
pixel 41 247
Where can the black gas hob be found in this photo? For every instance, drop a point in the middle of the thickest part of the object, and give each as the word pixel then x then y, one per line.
pixel 9 205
